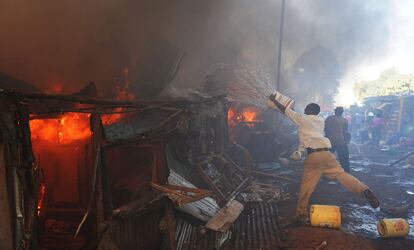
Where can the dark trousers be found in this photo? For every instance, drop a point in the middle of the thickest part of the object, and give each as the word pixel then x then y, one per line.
pixel 343 155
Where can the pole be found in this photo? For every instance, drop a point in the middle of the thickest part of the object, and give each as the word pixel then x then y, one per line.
pixel 279 58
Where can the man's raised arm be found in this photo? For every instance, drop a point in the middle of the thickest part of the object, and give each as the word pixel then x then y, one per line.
pixel 290 113
pixel 280 106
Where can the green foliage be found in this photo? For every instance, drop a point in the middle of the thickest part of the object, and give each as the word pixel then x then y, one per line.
pixel 390 82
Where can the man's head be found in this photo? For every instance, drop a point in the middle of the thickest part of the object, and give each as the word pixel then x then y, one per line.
pixel 312 109
pixel 339 111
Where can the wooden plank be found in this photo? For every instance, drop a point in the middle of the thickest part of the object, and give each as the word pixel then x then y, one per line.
pixel 6 228
pixel 169 216
pixel 96 127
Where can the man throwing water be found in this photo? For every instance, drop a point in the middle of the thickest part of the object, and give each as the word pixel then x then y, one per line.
pixel 319 160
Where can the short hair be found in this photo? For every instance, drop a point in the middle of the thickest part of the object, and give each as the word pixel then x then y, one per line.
pixel 339 110
pixel 312 109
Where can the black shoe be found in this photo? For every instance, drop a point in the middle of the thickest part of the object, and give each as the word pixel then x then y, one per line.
pixel 369 195
pixel 302 220
pixel 299 221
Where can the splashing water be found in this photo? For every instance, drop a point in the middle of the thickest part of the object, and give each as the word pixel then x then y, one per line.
pixel 243 83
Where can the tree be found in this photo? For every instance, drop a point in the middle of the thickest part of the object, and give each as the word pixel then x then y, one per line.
pixel 390 82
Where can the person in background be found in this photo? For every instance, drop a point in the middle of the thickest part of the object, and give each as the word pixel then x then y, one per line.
pixel 336 129
pixel 319 160
pixel 377 126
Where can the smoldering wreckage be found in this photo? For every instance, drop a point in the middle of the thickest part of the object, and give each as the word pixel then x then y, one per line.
pixel 83 172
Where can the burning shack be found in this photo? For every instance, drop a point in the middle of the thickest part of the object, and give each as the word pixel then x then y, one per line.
pixel 79 172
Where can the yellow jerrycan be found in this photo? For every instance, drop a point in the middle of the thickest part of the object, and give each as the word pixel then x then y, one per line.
pixel 395 227
pixel 325 216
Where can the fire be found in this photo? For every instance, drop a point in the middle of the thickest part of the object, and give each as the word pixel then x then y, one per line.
pixel 249 115
pixel 66 129
pixel 42 192
pixel 246 115
pixel 231 117
pixel 55 88
pixel 113 118
pixel 123 94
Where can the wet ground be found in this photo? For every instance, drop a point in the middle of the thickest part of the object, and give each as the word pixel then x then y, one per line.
pixel 394 187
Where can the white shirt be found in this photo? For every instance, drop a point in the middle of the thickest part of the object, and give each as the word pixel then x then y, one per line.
pixel 310 130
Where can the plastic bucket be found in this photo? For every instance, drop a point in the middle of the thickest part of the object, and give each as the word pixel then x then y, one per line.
pixel 325 216
pixel 296 155
pixel 284 100
pixel 396 227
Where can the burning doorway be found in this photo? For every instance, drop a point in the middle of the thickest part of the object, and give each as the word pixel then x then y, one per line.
pixel 61 145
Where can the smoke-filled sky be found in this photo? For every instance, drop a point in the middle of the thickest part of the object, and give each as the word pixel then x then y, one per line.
pixel 73 42
pixel 398 51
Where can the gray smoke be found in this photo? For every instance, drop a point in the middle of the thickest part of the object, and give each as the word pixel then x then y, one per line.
pixel 74 42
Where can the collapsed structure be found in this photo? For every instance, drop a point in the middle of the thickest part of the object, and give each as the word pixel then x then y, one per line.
pixel 132 175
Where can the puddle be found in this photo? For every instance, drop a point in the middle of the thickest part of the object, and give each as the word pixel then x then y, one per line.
pixel 404 183
pixel 359 169
pixel 408 166
pixel 362 220
pixel 383 176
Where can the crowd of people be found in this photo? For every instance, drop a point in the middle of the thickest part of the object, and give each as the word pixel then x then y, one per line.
pixel 368 126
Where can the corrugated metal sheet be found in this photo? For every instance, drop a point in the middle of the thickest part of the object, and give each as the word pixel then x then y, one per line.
pixel 189 236
pixel 256 228
pixel 202 209
pixel 139 232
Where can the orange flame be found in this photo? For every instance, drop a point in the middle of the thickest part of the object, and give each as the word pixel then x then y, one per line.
pixel 246 115
pixel 112 118
pixel 66 129
pixel 231 117
pixel 55 88
pixel 42 192
pixel 249 115
pixel 123 94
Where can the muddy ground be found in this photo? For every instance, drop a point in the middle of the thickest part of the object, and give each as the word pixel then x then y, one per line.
pixel 394 187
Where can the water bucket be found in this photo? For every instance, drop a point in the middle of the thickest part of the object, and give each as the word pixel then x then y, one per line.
pixel 325 216
pixel 396 227
pixel 284 100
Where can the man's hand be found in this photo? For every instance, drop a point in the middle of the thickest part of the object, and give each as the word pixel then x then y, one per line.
pixel 280 106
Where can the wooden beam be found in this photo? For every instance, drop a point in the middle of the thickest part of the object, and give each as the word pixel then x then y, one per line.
pixel 100 101
pixel 6 226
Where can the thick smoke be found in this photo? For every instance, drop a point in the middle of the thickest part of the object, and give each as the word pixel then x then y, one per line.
pixel 74 42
